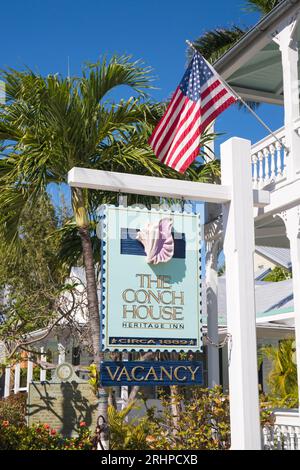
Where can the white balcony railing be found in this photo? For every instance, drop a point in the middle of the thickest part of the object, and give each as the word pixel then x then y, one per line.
pixel 285 433
pixel 269 159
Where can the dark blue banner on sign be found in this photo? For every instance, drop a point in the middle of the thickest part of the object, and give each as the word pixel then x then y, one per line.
pixel 151 373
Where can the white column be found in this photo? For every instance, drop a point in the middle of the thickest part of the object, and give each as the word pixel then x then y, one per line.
pixel 17 371
pixel 241 323
pixel 211 276
pixel 288 46
pixel 43 371
pixel 29 373
pixel 291 219
pixel 7 382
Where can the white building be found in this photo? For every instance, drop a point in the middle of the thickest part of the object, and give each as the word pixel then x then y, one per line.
pixel 264 67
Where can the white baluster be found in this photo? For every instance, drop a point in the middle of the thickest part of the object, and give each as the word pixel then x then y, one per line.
pixel 7 382
pixel 43 371
pixel 261 169
pixel 61 353
pixel 266 153
pixel 298 439
pixel 278 160
pixel 255 170
pixel 278 438
pixel 29 372
pixel 265 438
pixel 287 444
pixel 292 437
pixel 17 378
pixel 283 171
pixel 273 162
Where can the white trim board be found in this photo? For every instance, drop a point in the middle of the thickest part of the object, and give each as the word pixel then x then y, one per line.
pixel 155 186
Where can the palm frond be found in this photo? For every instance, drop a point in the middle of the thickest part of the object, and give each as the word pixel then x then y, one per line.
pixel 262 6
pixel 213 44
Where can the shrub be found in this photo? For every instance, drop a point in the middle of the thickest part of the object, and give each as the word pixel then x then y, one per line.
pixel 13 409
pixel 126 433
pixel 202 420
pixel 41 437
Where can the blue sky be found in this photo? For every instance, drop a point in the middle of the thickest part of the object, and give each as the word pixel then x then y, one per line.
pixel 42 34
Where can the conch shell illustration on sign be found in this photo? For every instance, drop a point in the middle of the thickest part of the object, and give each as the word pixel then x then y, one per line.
pixel 158 241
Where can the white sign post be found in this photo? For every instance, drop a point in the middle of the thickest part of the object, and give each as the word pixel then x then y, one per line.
pixel 238 226
pixel 238 198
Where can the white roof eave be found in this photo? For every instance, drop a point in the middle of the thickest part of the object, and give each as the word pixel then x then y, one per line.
pixel 255 39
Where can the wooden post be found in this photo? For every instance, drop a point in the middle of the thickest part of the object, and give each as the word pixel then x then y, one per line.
pixel 241 322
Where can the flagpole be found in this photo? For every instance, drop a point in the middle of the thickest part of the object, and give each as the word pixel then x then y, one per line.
pixel 241 100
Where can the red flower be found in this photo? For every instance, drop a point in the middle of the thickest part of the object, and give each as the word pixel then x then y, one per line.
pixel 82 424
pixel 53 432
pixel 5 424
pixel 46 426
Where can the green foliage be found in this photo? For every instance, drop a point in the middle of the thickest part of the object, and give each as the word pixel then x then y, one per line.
pixel 31 277
pixel 213 44
pixel 278 274
pixel 41 437
pixel 202 421
pixel 262 6
pixel 126 433
pixel 51 124
pixel 282 379
pixel 94 376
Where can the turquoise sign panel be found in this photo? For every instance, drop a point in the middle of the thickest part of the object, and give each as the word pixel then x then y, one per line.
pixel 151 373
pixel 151 299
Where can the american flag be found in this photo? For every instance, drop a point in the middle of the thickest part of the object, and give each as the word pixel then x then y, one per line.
pixel 200 97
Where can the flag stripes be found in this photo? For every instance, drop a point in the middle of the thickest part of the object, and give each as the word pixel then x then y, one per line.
pixel 200 97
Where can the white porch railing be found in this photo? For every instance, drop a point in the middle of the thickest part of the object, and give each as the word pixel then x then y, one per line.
pixel 13 380
pixel 285 434
pixel 269 159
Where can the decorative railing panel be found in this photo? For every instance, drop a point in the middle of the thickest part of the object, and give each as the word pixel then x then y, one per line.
pixel 280 437
pixel 269 158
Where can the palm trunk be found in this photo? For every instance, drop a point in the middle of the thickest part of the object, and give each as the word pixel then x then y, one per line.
pixel 91 289
pixel 92 295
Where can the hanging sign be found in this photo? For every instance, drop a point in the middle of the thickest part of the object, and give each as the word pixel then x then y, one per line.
pixel 151 284
pixel 152 373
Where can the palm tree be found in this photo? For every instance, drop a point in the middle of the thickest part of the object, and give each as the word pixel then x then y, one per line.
pixel 213 44
pixel 283 376
pixel 49 125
